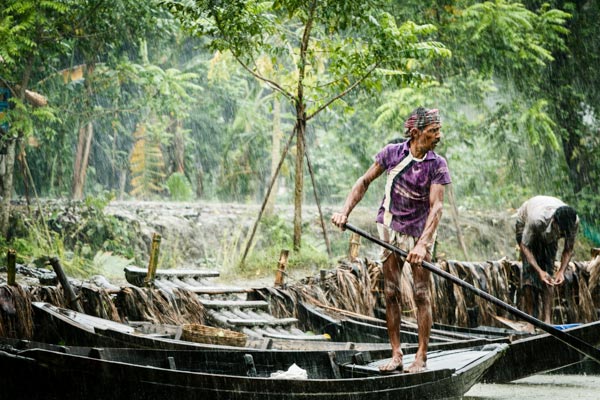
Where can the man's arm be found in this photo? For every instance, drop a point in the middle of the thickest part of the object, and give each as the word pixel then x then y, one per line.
pixel 566 257
pixel 544 276
pixel 523 229
pixel 356 194
pixel 436 204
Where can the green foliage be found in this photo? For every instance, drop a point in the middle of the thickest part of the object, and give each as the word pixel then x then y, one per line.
pixel 85 240
pixel 519 97
pixel 506 38
pixel 331 51
pixel 179 187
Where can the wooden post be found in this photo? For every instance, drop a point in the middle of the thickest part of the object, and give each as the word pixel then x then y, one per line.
pixel 11 265
pixel 64 281
pixel 279 276
pixel 153 263
pixel 354 246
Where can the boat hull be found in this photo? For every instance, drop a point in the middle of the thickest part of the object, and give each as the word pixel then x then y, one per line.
pixel 150 374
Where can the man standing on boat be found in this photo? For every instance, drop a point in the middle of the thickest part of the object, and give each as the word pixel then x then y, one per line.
pixel 541 222
pixel 408 218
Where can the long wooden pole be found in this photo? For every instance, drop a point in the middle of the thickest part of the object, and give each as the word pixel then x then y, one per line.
pixel 64 281
pixel 318 202
pixel 576 343
pixel 264 203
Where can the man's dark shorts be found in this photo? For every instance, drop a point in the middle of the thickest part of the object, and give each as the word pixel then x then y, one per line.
pixel 544 254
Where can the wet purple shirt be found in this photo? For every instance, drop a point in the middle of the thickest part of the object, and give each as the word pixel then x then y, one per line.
pixel 410 190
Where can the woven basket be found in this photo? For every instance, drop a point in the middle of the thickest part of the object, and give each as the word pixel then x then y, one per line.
pixel 211 335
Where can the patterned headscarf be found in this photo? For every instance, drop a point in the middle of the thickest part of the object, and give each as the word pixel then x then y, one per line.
pixel 420 118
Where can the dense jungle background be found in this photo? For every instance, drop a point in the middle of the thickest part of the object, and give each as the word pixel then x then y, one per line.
pixel 242 125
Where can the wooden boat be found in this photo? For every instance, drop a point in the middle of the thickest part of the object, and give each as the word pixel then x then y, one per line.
pixel 60 325
pixel 68 372
pixel 541 353
pixel 346 326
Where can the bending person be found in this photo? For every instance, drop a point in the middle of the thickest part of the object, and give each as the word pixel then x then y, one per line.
pixel 541 222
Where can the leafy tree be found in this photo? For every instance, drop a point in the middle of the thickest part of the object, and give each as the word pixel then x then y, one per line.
pixel 572 85
pixel 28 32
pixel 81 33
pixel 330 47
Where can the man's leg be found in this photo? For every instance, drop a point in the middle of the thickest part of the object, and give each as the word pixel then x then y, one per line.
pixel 422 296
pixel 528 300
pixel 547 300
pixel 392 268
pixel 546 261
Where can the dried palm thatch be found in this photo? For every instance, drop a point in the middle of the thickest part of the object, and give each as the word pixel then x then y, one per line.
pixel 16 320
pixel 460 313
pixel 133 304
pixel 158 306
pixel 593 269
pixel 282 302
pixel 189 307
pixel 98 302
pixel 442 296
pixel 49 294
pixel 348 287
pixel 587 312
pixel 345 289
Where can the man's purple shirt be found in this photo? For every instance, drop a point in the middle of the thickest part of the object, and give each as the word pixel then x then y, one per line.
pixel 410 191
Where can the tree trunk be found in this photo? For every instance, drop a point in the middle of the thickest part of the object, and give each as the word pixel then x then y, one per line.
pixel 299 178
pixel 275 153
pixel 122 183
pixel 179 147
pixel 7 163
pixel 81 160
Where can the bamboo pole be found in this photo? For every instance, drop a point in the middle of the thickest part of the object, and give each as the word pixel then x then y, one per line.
pixel 72 299
pixel 153 262
pixel 265 200
pixel 317 201
pixel 354 246
pixel 11 265
pixel 279 276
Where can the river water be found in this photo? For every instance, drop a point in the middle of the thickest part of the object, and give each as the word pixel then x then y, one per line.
pixel 544 386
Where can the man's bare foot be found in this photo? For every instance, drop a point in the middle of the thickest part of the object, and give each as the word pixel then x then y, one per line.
pixel 395 364
pixel 418 365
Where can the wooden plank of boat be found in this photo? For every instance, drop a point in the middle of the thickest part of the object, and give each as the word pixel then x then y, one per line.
pixel 540 353
pixel 483 331
pixel 216 304
pixel 212 290
pixel 68 326
pixel 354 330
pixel 152 374
pixel 137 275
pixel 368 329
pixel 167 273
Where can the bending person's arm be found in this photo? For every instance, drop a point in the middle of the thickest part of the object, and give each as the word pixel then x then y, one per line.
pixel 528 256
pixel 358 191
pixel 544 276
pixel 567 252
